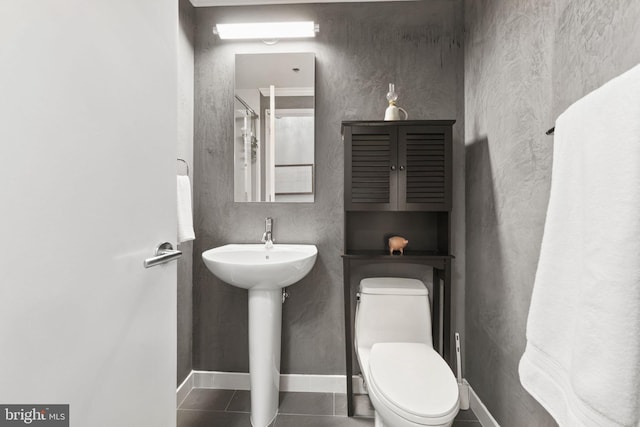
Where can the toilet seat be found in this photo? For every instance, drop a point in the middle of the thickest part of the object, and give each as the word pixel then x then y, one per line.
pixel 414 382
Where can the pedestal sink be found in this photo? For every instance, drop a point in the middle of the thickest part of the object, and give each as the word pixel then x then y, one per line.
pixel 264 272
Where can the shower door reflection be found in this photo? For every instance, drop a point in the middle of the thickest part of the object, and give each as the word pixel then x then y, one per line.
pixel 247 155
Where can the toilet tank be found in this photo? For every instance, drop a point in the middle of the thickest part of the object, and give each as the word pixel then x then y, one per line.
pixel 392 309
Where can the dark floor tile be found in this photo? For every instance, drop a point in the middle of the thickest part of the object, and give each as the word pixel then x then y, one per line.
pixel 193 418
pixel 207 399
pixel 467 415
pixel 466 423
pixel 290 403
pixel 306 403
pixel 340 404
pixel 321 421
pixel 364 408
pixel 240 402
pixel 362 405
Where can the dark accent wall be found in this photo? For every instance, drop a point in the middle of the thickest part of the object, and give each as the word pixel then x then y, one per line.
pixel 360 49
pixel 525 62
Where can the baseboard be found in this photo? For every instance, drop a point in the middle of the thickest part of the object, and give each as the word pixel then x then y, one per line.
pixel 480 411
pixel 184 389
pixel 313 383
pixel 288 382
pixel 357 384
pixel 221 380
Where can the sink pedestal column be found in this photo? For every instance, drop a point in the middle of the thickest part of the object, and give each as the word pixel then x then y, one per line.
pixel 265 330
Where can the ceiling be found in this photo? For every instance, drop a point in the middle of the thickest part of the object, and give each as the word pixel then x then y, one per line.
pixel 203 3
pixel 257 70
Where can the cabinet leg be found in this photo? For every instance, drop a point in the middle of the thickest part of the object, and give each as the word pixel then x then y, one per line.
pixel 435 312
pixel 348 337
pixel 446 318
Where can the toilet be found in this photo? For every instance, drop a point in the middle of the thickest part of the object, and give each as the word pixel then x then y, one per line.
pixel 409 384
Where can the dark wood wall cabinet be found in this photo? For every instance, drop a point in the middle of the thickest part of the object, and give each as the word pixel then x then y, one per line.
pixel 403 167
pixel 397 178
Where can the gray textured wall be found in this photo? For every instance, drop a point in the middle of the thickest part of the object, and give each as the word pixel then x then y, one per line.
pixel 359 50
pixel 525 62
pixel 186 45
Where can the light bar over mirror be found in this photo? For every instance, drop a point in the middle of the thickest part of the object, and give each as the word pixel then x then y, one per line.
pixel 266 30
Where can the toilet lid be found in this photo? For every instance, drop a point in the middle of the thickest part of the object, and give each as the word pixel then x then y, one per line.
pixel 392 286
pixel 414 379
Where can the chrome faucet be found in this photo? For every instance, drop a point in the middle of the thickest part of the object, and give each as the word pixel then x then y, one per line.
pixel 267 237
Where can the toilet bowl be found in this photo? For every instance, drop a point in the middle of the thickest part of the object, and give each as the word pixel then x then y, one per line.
pixel 409 384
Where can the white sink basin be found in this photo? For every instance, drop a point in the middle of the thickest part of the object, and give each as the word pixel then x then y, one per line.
pixel 252 266
pixel 264 272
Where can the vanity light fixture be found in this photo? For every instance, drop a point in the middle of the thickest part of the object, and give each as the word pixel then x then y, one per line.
pixel 266 30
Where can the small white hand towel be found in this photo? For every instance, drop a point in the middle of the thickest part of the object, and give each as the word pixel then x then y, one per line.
pixel 582 359
pixel 185 215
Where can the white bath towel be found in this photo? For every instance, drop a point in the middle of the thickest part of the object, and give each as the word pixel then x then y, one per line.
pixel 185 215
pixel 582 359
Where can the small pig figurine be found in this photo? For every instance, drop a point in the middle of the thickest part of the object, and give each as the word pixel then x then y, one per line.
pixel 397 243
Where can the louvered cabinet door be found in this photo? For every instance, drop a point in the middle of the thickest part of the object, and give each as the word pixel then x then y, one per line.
pixel 371 154
pixel 424 170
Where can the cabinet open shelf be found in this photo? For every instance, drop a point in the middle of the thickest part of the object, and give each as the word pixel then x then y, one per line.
pixel 408 254
pixel 431 258
pixel 427 232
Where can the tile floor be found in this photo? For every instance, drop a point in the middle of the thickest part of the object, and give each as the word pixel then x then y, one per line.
pixel 230 408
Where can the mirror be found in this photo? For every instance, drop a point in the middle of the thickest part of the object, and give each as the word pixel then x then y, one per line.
pixel 274 127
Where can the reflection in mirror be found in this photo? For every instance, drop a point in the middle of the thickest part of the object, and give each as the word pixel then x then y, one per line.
pixel 274 127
